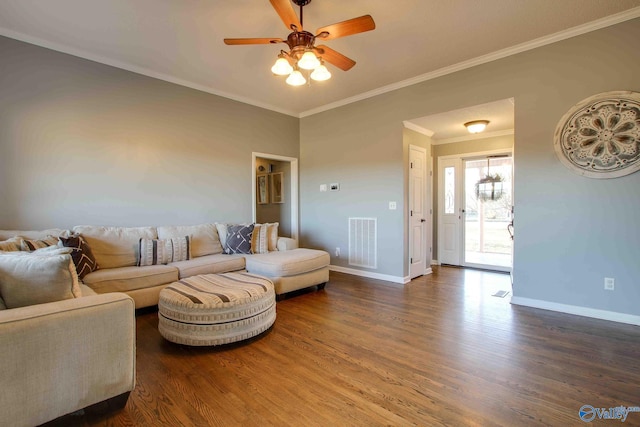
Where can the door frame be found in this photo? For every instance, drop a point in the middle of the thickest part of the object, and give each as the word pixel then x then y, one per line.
pixel 294 187
pixel 462 157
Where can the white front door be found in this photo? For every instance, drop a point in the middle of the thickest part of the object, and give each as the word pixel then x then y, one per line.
pixel 418 170
pixel 449 211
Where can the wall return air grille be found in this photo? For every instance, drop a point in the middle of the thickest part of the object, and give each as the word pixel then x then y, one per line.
pixel 363 242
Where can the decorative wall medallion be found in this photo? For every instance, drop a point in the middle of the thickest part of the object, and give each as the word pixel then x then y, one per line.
pixel 599 137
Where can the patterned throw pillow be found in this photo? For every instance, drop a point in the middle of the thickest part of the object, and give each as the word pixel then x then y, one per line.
pixel 164 251
pixel 259 242
pixel 32 245
pixel 81 254
pixel 14 244
pixel 238 239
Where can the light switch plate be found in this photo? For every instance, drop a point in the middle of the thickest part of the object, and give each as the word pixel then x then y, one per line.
pixel 323 187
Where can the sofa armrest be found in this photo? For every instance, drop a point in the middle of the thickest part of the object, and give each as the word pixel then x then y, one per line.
pixel 286 244
pixel 63 356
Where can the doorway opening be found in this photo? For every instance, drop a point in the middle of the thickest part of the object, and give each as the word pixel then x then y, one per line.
pixel 474 228
pixel 487 241
pixel 275 192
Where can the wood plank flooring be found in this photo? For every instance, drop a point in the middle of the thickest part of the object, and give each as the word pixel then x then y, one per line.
pixel 440 351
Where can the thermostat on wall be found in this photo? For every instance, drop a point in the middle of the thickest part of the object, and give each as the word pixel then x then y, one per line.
pixel 334 187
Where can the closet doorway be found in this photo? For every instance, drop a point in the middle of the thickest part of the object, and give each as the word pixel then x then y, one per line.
pixel 275 192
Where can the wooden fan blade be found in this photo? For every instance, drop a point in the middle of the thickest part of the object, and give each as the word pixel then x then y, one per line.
pixel 335 58
pixel 287 14
pixel 252 41
pixel 347 28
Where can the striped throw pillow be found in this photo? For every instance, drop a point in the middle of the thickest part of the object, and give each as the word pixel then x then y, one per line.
pixel 14 244
pixel 164 251
pixel 32 245
pixel 259 240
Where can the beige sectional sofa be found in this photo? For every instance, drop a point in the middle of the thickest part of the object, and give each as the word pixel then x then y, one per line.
pixel 59 357
pixel 116 250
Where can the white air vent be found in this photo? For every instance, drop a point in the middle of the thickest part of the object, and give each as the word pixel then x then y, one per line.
pixel 363 242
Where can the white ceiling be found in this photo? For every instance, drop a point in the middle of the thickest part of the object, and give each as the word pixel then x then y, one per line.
pixel 181 40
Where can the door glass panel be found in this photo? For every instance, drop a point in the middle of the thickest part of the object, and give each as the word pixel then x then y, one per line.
pixel 449 190
pixel 487 241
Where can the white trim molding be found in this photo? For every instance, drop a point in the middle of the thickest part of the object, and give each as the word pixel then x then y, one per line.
pixel 578 311
pixel 370 275
pixel 419 129
pixel 513 50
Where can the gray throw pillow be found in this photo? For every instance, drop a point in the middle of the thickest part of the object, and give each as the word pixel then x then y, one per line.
pixel 238 239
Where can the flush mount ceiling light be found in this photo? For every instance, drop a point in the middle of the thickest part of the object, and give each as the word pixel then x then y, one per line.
pixel 476 126
pixel 303 54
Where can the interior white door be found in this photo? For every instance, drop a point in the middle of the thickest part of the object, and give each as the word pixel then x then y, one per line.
pixel 418 223
pixel 449 210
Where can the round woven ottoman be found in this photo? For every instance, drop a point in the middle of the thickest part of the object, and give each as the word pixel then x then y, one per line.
pixel 215 309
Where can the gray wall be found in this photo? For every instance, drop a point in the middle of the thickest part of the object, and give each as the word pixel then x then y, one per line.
pixel 86 143
pixel 571 231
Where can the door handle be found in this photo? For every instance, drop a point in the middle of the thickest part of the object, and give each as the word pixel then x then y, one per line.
pixel 510 230
pixel 423 220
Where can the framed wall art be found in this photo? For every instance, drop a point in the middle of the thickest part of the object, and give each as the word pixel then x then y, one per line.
pixel 262 189
pixel 277 190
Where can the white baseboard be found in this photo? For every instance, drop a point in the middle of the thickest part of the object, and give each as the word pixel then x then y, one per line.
pixel 370 275
pixel 579 311
pixel 434 262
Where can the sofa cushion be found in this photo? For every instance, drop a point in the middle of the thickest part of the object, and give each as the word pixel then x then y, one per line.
pixel 238 239
pixel 81 253
pixel 13 244
pixel 125 279
pixel 115 246
pixel 33 244
pixel 30 278
pixel 287 263
pixel 204 237
pixel 218 263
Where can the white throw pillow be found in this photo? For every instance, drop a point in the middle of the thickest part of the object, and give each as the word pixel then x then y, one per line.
pixel 37 278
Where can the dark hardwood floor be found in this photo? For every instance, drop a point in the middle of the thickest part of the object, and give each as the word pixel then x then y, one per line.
pixel 440 351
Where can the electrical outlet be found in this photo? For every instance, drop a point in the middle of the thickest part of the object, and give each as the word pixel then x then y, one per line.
pixel 337 252
pixel 609 283
pixel 393 206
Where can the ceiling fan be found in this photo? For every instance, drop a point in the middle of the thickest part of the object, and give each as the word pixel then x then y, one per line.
pixel 303 53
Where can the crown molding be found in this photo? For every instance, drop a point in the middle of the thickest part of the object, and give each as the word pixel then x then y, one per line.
pixel 513 50
pixel 138 70
pixel 473 137
pixel 417 128
pixel 542 41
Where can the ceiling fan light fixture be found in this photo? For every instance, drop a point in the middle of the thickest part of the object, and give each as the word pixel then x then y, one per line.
pixel 321 73
pixel 476 126
pixel 296 79
pixel 308 61
pixel 282 67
